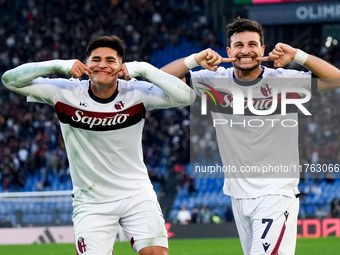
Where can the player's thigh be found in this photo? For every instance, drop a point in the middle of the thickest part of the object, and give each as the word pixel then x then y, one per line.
pixel 243 223
pixel 95 228
pixel 274 225
pixel 143 222
pixel 288 244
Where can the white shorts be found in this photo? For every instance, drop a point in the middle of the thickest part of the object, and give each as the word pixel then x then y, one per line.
pixel 267 224
pixel 140 216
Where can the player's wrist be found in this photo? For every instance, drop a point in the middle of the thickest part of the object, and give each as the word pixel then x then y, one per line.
pixel 62 66
pixel 300 57
pixel 139 69
pixel 190 61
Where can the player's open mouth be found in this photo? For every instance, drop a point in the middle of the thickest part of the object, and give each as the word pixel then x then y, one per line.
pixel 246 59
pixel 101 72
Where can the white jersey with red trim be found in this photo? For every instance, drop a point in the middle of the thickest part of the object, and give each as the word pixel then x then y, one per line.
pixel 102 137
pixel 259 152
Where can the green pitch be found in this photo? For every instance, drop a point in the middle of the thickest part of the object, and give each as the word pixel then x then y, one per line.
pixel 232 246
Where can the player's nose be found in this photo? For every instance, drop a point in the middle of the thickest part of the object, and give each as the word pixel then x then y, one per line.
pixel 102 64
pixel 245 50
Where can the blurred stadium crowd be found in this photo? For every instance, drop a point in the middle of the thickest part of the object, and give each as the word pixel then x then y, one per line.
pixel 31 146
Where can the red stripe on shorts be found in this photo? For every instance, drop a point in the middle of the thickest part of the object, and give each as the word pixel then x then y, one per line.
pixel 278 243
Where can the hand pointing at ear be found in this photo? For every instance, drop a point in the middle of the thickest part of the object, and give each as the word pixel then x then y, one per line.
pixel 282 54
pixel 78 69
pixel 120 71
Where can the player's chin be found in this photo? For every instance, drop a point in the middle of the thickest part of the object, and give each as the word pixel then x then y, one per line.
pixel 103 79
pixel 246 67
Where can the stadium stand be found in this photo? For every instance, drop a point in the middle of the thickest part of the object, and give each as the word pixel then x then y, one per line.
pixel 32 153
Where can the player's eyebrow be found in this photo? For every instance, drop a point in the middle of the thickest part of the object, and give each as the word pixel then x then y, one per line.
pixel 111 58
pixel 249 42
pixel 108 58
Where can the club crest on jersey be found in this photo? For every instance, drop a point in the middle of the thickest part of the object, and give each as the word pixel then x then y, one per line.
pixel 81 245
pixel 119 105
pixel 266 90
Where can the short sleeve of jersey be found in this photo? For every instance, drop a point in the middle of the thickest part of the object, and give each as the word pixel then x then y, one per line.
pixel 151 95
pixel 197 78
pixel 293 78
pixel 46 90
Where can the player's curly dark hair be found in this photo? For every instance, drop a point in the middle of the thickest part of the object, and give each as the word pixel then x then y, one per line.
pixel 113 42
pixel 240 25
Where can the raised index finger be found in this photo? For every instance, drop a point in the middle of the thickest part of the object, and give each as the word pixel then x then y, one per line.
pixel 117 70
pixel 227 60
pixel 267 58
pixel 88 69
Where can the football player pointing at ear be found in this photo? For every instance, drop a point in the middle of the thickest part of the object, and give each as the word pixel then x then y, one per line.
pixel 101 119
pixel 265 203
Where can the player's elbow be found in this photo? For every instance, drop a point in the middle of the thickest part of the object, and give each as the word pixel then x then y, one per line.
pixel 6 80
pixel 325 84
pixel 192 96
pixel 188 99
pixel 13 81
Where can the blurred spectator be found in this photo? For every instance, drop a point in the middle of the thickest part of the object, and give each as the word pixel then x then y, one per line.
pixel 336 208
pixel 196 216
pixel 206 215
pixel 64 174
pixel 156 176
pixel 191 187
pixel 183 216
pixel 229 216
pixel 321 213
pixel 314 189
pixel 183 177
pixel 6 223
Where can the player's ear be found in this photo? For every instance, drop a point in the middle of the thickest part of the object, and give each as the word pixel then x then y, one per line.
pixel 228 51
pixel 263 49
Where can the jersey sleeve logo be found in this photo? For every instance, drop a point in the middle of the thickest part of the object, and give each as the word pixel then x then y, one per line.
pixel 99 121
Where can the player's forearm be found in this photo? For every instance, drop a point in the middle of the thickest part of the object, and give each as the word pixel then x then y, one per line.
pixel 176 68
pixel 23 75
pixel 172 86
pixel 328 74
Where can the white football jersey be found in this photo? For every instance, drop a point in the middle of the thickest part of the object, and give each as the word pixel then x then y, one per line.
pixel 259 151
pixel 103 137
